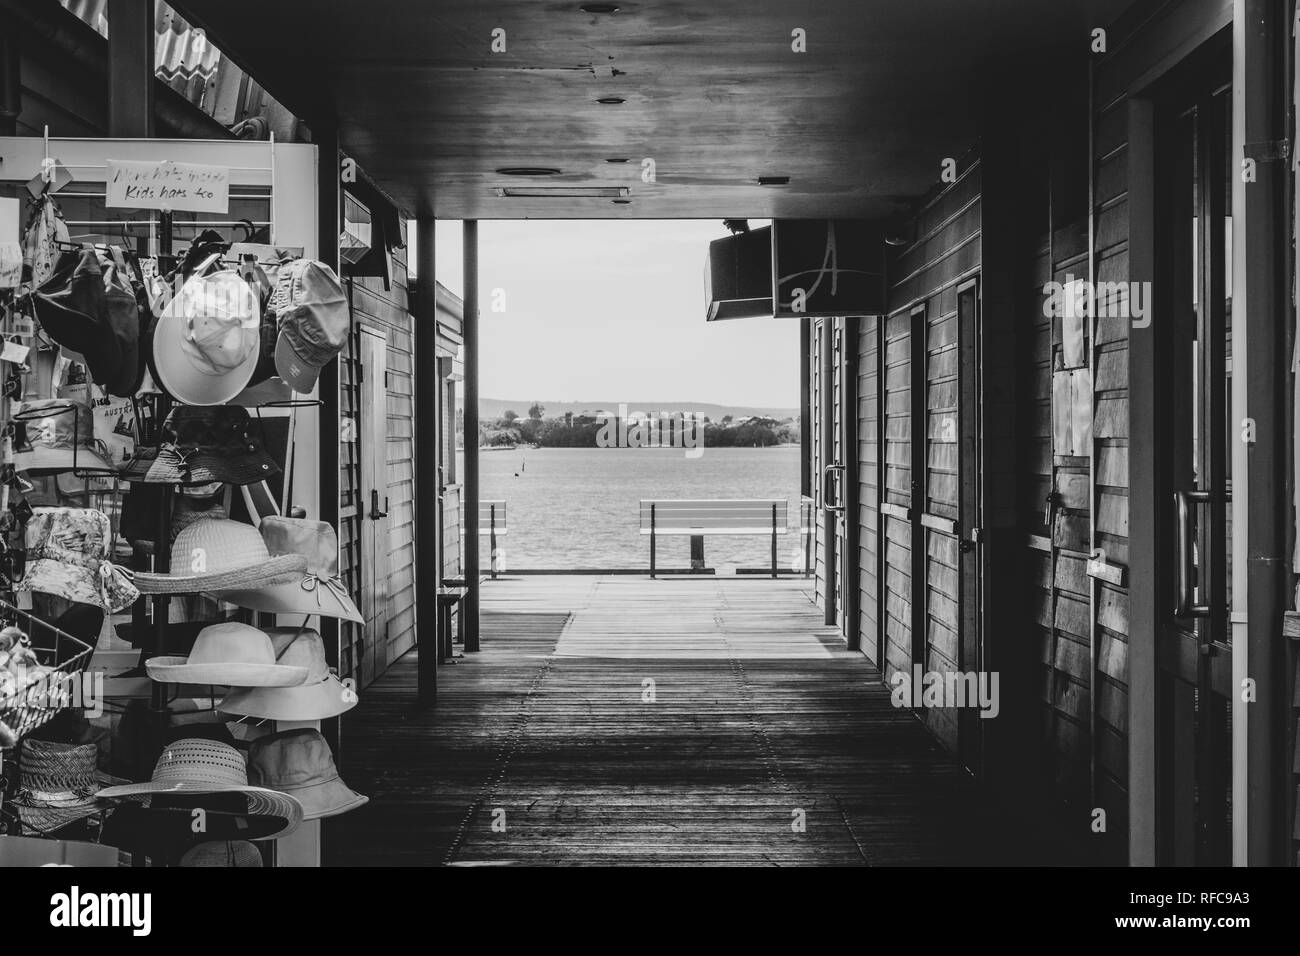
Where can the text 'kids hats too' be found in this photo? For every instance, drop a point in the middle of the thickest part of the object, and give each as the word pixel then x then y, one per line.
pixel 319 590
pixel 319 697
pixel 197 766
pixel 230 654
pixel 311 310
pixel 214 553
pixel 205 345
pixel 67 555
pixel 299 762
pixel 202 444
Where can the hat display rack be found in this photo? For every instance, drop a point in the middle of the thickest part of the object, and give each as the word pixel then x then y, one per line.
pixel 277 777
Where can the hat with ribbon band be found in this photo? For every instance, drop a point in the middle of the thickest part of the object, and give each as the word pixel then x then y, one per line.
pixel 319 590
pixel 57 784
pixel 68 556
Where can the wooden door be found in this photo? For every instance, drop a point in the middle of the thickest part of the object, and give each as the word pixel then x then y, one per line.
pixel 373 436
pixel 1194 654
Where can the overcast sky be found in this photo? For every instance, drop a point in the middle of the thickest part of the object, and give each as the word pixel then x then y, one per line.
pixel 602 310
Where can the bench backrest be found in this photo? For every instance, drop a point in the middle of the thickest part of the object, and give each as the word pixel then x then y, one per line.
pixel 485 517
pixel 733 516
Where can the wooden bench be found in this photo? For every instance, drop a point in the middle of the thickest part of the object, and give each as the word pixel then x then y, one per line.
pixel 491 522
pixel 700 517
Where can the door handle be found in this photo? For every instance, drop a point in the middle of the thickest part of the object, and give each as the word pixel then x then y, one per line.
pixel 375 513
pixel 828 482
pixel 1184 502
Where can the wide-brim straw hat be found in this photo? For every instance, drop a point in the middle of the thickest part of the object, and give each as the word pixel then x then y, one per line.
pixel 196 766
pixel 231 654
pixel 230 554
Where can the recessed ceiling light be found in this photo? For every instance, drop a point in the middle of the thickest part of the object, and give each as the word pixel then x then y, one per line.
pixel 773 180
pixel 527 171
pixel 610 100
pixel 562 192
pixel 599 8
pixel 618 159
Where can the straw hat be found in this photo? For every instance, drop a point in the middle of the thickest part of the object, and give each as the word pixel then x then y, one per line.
pixel 215 553
pixel 319 591
pixel 319 697
pixel 222 853
pixel 195 766
pixel 57 784
pixel 231 654
pixel 299 762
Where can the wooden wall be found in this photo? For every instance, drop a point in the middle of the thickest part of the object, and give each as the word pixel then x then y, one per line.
pixel 869 330
pixel 386 311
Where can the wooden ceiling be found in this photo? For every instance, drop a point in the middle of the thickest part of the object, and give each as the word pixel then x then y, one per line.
pixel 713 94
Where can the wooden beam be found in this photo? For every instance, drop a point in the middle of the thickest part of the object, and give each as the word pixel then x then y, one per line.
pixel 130 68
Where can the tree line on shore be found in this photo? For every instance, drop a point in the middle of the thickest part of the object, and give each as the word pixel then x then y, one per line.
pixel 597 431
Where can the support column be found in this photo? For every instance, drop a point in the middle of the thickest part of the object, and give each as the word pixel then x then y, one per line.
pixel 328 205
pixel 428 489
pixel 805 410
pixel 1259 28
pixel 130 68
pixel 826 392
pixel 470 606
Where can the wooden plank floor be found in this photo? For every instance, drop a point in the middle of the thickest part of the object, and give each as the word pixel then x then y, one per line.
pixel 548 746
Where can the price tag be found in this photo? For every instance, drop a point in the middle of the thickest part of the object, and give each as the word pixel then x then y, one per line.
pixel 15 353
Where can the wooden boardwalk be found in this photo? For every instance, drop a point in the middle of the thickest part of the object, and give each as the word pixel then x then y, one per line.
pixel 620 720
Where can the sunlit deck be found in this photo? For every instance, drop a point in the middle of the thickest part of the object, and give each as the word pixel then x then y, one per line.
pixel 760 719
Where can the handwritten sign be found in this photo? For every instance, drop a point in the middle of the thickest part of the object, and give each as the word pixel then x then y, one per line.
pixel 168 186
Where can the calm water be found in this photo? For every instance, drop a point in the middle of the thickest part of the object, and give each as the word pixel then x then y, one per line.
pixel 579 507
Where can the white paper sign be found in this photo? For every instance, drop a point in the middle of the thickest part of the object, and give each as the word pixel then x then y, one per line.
pixel 167 186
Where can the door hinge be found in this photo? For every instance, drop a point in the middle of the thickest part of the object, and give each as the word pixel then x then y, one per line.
pixel 1268 151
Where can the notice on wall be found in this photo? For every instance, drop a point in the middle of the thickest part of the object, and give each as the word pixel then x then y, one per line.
pixel 171 187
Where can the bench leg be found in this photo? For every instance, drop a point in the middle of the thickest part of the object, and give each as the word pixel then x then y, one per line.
pixel 697 552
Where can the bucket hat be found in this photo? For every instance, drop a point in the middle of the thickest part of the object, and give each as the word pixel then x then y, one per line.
pixel 199 445
pixel 205 343
pixel 89 307
pixel 320 696
pixel 222 853
pixel 194 766
pixel 215 553
pixel 68 556
pixel 59 434
pixel 230 653
pixel 319 590
pixel 299 762
pixel 57 784
pixel 311 311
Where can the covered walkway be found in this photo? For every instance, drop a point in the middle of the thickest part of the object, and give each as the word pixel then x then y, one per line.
pixel 689 720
